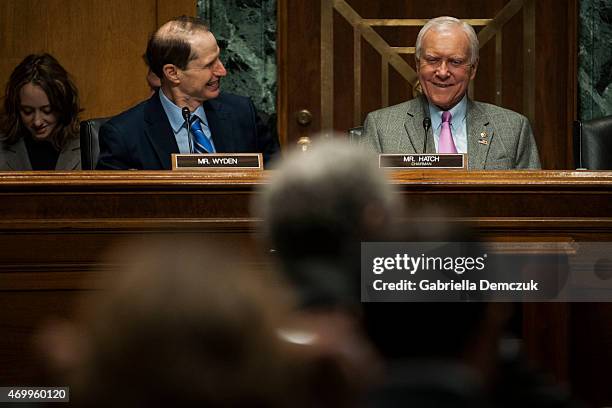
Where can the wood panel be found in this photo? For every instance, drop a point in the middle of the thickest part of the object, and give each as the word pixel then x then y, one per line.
pixel 299 69
pixel 556 81
pixel 99 42
pixel 55 225
pixel 167 9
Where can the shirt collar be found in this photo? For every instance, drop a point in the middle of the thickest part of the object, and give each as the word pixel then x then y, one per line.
pixel 458 112
pixel 175 114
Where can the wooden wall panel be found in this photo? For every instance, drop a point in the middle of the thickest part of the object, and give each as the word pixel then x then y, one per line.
pixel 167 9
pixel 299 70
pixel 99 42
pixel 556 76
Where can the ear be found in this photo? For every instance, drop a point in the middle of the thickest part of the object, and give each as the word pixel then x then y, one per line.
pixel 171 73
pixel 474 69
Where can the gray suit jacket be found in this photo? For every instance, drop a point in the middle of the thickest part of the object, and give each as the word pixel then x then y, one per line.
pixel 15 157
pixel 510 142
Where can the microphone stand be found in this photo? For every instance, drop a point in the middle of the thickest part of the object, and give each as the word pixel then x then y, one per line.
pixel 426 126
pixel 186 115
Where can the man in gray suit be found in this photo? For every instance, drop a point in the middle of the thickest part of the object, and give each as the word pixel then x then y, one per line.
pixel 444 119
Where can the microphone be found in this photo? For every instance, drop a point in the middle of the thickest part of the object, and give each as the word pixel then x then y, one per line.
pixel 578 145
pixel 186 113
pixel 426 126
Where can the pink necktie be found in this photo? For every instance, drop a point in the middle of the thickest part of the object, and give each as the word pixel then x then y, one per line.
pixel 446 144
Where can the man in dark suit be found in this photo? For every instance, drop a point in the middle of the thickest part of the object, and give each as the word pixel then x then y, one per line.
pixel 184 54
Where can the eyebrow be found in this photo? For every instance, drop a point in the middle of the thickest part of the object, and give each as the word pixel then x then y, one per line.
pixel 32 107
pixel 450 56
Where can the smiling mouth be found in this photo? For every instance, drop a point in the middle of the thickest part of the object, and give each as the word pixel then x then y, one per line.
pixel 439 85
pixel 213 84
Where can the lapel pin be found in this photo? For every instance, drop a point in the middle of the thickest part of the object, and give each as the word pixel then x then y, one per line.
pixel 483 134
pixel 483 141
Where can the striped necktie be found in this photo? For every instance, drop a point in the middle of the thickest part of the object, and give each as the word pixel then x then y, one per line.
pixel 202 144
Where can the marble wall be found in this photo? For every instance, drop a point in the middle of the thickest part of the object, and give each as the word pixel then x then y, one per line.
pixel 595 59
pixel 246 33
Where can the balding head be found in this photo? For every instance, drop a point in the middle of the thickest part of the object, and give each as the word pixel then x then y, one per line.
pixel 171 43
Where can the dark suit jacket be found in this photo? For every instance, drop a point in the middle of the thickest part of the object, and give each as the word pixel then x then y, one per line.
pixel 141 137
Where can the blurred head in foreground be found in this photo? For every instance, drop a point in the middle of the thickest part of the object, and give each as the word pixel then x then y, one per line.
pixel 317 209
pixel 183 326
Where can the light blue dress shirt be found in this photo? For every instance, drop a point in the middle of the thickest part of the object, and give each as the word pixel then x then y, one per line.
pixel 458 124
pixel 178 125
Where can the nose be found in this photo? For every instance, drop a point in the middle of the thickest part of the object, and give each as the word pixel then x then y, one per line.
pixel 442 70
pixel 38 118
pixel 220 69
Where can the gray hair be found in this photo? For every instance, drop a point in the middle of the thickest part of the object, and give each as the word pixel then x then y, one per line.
pixel 445 24
pixel 317 209
pixel 316 200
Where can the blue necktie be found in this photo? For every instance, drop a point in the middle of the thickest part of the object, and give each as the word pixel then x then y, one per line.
pixel 202 144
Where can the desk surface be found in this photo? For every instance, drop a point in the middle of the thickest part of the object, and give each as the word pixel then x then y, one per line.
pixel 401 177
pixel 572 198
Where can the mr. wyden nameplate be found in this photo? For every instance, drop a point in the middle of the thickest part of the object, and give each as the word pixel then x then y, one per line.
pixel 217 161
pixel 423 161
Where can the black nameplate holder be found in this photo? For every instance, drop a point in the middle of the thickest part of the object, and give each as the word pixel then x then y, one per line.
pixel 423 161
pixel 217 162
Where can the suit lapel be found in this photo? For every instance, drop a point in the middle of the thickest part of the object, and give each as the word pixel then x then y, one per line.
pixel 220 124
pixel 417 111
pixel 479 135
pixel 70 156
pixel 159 132
pixel 17 156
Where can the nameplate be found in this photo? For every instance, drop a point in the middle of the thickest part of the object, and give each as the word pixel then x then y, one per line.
pixel 423 161
pixel 217 161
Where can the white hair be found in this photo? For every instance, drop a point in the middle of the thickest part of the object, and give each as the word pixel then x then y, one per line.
pixel 445 24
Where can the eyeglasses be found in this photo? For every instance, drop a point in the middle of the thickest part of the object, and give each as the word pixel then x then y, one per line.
pixel 451 63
